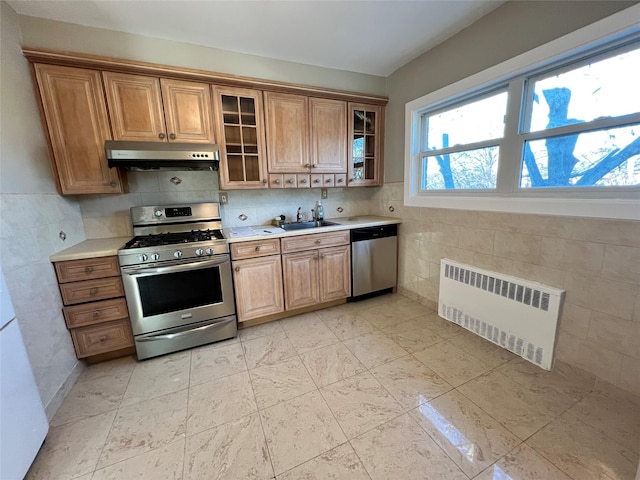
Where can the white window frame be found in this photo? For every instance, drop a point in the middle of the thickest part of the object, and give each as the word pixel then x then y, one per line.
pixel 615 202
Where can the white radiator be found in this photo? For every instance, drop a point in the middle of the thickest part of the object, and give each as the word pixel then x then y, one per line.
pixel 516 314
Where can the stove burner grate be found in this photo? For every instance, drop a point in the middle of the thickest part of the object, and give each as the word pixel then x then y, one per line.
pixel 174 238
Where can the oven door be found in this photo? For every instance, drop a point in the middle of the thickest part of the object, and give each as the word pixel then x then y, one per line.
pixel 169 296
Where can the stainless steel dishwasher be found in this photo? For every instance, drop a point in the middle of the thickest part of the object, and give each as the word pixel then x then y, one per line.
pixel 374 260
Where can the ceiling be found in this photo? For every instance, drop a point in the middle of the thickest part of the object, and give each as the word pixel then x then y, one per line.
pixel 373 37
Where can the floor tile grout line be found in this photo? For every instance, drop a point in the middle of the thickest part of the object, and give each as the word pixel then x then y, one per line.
pixel 255 400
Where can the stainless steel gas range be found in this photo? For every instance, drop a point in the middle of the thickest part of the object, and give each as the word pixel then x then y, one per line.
pixel 177 278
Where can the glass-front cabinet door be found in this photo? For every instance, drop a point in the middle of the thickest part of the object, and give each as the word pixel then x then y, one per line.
pixel 365 149
pixel 241 139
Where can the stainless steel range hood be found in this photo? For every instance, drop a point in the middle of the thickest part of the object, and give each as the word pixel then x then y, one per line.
pixel 162 156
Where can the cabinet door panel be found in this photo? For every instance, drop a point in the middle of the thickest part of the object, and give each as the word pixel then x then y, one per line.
pixel 240 135
pixel 77 124
pixel 187 111
pixel 335 273
pixel 258 287
pixel 328 126
pixel 365 165
pixel 300 272
pixel 287 125
pixel 135 105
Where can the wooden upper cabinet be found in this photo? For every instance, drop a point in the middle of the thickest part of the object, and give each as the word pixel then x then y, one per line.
pixel 287 128
pixel 150 109
pixel 188 111
pixel 328 128
pixel 366 126
pixel 77 125
pixel 239 117
pixel 135 104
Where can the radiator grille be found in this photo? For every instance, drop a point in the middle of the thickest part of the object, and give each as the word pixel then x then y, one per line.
pixel 514 313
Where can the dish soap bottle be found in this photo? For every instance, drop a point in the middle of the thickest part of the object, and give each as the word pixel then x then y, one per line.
pixel 319 211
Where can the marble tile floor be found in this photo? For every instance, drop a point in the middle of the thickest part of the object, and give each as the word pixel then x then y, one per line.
pixel 379 389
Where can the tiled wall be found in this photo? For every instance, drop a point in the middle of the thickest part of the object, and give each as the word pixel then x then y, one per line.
pixel 30 225
pixel 596 261
pixel 108 215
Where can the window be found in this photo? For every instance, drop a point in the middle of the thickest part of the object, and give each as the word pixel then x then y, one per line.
pixel 461 145
pixel 545 130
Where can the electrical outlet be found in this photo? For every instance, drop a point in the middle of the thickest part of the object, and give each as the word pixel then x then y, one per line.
pixel 324 193
pixel 224 198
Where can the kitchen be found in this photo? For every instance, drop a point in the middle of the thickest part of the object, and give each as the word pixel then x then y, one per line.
pixel 27 185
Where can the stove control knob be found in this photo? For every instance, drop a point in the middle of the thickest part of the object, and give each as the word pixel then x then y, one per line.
pixel 209 251
pixel 177 253
pixel 199 252
pixel 143 258
pixel 158 213
pixel 155 256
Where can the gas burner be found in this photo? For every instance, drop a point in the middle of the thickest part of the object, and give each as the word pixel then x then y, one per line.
pixel 154 240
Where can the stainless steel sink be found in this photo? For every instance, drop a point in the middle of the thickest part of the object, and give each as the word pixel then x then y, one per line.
pixel 305 225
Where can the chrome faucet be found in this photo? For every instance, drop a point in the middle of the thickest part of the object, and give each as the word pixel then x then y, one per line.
pixel 299 215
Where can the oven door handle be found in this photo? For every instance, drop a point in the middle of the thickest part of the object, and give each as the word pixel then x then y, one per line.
pixel 176 268
pixel 186 331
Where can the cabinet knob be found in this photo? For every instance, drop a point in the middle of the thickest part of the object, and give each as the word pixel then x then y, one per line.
pixel 237 269
pixel 340 180
pixel 328 180
pixel 264 181
pixel 352 179
pixel 277 181
pixel 314 166
pixel 257 248
pixel 88 269
pixel 113 184
pixel 308 165
pixel 103 338
pixel 93 291
pixel 318 242
pixel 322 255
pixel 303 180
pixel 290 180
pixel 97 313
pixel 161 136
pixel 172 136
pixel 316 181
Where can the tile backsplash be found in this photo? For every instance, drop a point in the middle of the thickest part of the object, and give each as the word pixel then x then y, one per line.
pixel 108 215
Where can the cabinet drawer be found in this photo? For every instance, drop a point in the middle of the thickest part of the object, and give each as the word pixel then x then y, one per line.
pixel 95 312
pixel 87 269
pixel 316 240
pixel 102 338
pixel 91 290
pixel 257 248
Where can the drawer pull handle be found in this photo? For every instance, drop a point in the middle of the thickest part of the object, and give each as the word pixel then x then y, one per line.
pixel 103 338
pixel 318 242
pixel 88 269
pixel 257 248
pixel 93 291
pixel 97 313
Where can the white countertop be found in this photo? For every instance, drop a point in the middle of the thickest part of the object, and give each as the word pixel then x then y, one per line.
pixel 105 247
pixel 98 247
pixel 342 223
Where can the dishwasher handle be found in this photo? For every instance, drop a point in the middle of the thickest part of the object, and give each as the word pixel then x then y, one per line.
pixel 371 233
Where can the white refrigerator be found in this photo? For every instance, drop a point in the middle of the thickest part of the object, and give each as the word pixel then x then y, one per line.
pixel 23 423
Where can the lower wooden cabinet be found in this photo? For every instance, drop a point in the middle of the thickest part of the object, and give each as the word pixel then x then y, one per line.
pixel 258 284
pixel 95 309
pixel 316 268
pixel 257 276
